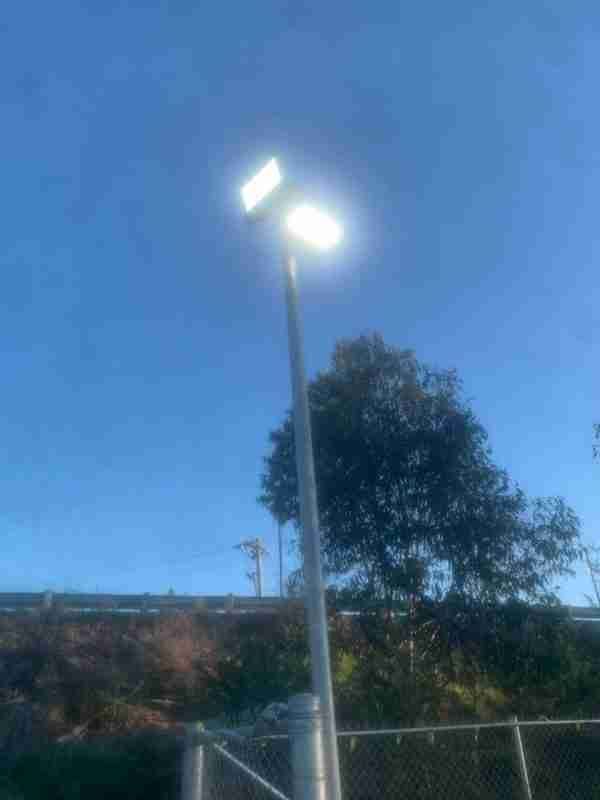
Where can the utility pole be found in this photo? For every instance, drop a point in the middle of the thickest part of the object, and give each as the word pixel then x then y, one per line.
pixel 254 549
pixel 258 568
pixel 252 578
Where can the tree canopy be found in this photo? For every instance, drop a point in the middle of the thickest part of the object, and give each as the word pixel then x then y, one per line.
pixel 411 503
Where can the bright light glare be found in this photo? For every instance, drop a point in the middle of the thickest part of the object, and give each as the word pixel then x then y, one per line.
pixel 262 184
pixel 314 227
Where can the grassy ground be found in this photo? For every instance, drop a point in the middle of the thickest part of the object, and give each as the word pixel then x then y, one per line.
pixel 142 767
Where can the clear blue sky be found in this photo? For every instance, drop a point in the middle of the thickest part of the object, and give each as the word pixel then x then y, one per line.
pixel 142 333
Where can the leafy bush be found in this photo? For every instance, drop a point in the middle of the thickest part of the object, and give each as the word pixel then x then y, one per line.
pixel 260 661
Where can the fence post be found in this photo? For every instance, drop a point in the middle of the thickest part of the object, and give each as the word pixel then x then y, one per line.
pixel 192 772
pixel 476 759
pixel 522 760
pixel 306 734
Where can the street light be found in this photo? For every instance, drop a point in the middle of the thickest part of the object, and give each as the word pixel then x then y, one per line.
pixel 315 228
pixel 261 186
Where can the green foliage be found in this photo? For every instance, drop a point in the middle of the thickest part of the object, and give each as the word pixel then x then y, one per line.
pixel 459 660
pixel 411 503
pixel 260 661
pixel 463 660
pixel 536 661
pixel 377 681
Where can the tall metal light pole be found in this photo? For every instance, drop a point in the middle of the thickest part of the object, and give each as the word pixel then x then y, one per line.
pixel 317 229
pixel 311 538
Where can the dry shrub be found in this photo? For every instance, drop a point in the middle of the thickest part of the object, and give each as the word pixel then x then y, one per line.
pixel 97 670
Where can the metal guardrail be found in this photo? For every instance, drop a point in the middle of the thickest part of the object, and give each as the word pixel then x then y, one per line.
pixel 140 603
pixel 210 604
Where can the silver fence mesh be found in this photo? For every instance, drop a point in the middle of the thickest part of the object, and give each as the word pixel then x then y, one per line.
pixel 562 762
pixel 465 764
pixel 248 769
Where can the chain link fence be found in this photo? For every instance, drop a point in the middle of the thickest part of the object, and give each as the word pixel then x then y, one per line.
pixel 427 765
pixel 563 760
pixel 505 761
pixel 496 761
pixel 248 769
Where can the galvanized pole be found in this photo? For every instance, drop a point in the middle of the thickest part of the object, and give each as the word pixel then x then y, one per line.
pixel 311 540
pixel 308 765
pixel 192 772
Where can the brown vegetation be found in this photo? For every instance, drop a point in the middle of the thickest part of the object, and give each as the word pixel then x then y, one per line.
pixel 87 677
pixel 62 678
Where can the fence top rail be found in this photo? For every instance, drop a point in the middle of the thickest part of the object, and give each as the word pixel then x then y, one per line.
pixel 472 726
pixel 273 790
pixel 469 726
